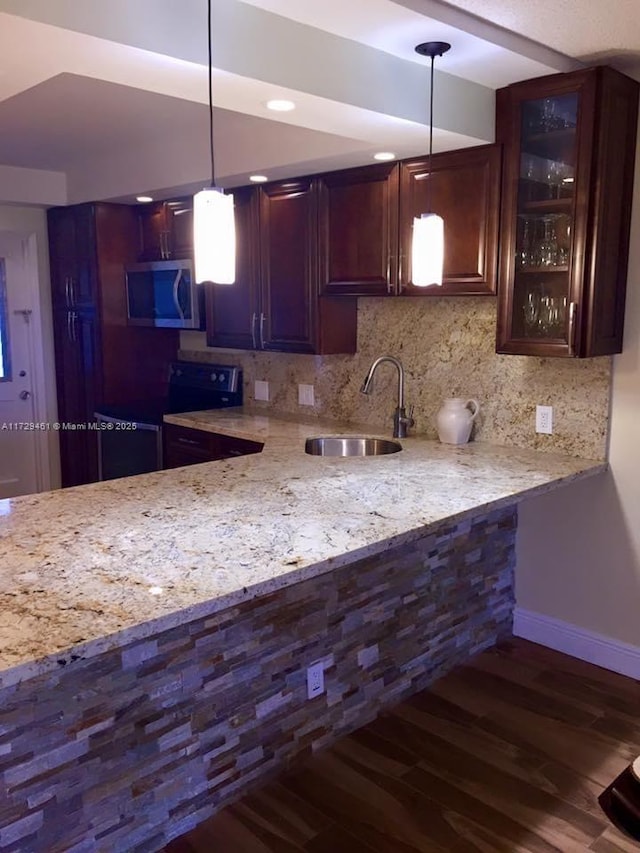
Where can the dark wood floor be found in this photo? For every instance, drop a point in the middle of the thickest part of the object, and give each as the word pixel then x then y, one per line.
pixel 508 753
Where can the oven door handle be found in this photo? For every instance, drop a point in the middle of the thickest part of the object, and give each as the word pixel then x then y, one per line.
pixel 133 424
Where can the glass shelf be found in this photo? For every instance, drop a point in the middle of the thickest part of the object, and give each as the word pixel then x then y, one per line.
pixel 549 205
pixel 545 208
pixel 552 268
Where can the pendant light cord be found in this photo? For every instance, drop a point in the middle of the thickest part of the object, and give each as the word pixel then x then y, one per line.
pixel 430 136
pixel 431 49
pixel 213 172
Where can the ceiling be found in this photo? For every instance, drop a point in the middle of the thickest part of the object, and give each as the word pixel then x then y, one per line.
pixel 108 100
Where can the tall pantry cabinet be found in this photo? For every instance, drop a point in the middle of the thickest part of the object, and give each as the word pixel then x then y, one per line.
pixel 100 360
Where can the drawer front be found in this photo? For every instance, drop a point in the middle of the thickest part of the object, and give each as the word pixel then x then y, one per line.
pixel 186 446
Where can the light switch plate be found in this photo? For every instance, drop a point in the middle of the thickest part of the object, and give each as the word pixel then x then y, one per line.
pixel 306 395
pixel 261 390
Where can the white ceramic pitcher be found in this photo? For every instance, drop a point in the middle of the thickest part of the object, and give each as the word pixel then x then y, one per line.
pixel 455 420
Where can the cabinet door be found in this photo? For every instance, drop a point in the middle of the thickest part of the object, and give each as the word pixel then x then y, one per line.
pixel 78 387
pixel 153 232
pixel 358 231
pixel 62 258
pixel 289 275
pixel 84 286
pixel 72 256
pixel 569 155
pixel 463 187
pixel 232 310
pixel 179 216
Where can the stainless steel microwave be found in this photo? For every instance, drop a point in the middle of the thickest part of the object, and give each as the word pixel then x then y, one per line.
pixel 164 293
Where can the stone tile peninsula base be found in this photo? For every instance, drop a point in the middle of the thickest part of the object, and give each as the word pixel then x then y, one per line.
pixel 136 746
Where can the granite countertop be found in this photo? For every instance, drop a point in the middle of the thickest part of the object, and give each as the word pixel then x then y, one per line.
pixel 94 567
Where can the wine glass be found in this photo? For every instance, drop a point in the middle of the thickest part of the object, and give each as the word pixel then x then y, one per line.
pixel 524 254
pixel 531 309
pixel 548 245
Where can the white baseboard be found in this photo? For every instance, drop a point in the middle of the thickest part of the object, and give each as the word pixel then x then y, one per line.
pixel 577 642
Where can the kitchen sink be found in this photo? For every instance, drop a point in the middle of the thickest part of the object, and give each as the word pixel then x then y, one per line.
pixel 350 445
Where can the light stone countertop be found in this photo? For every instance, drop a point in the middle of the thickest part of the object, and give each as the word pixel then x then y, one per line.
pixel 92 568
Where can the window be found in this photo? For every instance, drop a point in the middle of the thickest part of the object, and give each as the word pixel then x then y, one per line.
pixel 5 366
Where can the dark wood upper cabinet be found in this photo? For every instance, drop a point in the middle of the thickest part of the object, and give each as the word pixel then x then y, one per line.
pixel 72 242
pixel 233 310
pixel 366 222
pixel 288 270
pixel 165 230
pixel 274 304
pixel 569 142
pixel 465 191
pixel 358 230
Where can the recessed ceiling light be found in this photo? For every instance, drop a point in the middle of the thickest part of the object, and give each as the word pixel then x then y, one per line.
pixel 258 179
pixel 384 155
pixel 280 105
pixel 144 199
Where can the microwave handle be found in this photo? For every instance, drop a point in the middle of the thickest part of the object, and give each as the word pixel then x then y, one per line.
pixel 176 285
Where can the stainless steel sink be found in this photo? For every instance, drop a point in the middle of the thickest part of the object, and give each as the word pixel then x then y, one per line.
pixel 350 445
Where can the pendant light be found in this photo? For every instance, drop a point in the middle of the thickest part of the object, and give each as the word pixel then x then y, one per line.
pixel 214 230
pixel 427 245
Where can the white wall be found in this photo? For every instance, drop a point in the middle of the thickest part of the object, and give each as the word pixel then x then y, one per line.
pixel 579 548
pixel 31 223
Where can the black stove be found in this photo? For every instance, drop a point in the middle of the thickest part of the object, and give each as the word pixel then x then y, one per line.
pixel 130 435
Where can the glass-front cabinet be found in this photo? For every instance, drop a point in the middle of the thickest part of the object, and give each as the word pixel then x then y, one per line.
pixel 569 150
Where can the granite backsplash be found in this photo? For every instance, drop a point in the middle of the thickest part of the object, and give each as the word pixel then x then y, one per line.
pixel 447 347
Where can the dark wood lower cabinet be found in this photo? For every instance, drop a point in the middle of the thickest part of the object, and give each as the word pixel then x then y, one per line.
pixel 187 446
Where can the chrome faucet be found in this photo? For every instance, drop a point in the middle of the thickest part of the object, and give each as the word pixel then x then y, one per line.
pixel 401 421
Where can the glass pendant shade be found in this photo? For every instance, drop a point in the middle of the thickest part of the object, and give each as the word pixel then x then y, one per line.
pixel 214 237
pixel 427 250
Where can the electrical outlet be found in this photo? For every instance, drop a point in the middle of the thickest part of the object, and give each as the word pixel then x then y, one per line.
pixel 306 395
pixel 315 679
pixel 261 390
pixel 544 419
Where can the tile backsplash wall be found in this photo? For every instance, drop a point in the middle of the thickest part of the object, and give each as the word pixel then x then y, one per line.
pixel 447 347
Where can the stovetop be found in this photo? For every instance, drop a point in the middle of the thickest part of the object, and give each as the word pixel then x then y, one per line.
pixel 193 387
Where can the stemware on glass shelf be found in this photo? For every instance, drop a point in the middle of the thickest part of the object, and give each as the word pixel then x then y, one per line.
pixel 544 315
pixel 550 114
pixel 543 241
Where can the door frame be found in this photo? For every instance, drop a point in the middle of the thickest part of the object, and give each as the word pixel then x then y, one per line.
pixel 33 301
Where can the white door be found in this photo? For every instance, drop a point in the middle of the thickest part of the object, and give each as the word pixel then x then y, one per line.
pixel 21 441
